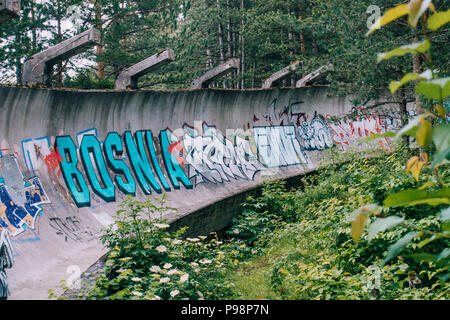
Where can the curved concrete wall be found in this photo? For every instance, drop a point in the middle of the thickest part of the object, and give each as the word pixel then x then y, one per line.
pixel 69 157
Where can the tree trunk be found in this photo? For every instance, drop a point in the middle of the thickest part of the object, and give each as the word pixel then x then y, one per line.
pixel 235 73
pixel 417 69
pixel 253 75
pixel 242 45
pixel 33 30
pixel 291 49
pixel 404 115
pixel 221 49
pixel 219 27
pixel 59 39
pixel 229 29
pixel 302 37
pixel 99 50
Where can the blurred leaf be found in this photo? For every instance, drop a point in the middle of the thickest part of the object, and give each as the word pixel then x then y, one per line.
pixel 389 16
pixel 441 137
pixel 445 277
pixel 426 75
pixel 358 225
pixel 412 197
pixel 414 48
pixel 382 224
pixel 440 111
pixel 398 247
pixel 362 216
pixel 410 128
pixel 445 214
pixel 444 254
pixel 415 166
pixel 388 134
pixel 426 257
pixel 443 157
pixel 424 133
pixel 438 89
pixel 427 184
pixel 416 8
pixel 438 19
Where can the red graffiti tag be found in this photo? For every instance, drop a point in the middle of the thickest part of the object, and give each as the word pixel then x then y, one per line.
pixel 53 160
pixel 176 149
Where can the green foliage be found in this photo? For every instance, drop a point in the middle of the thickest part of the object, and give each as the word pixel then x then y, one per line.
pixel 314 256
pixel 146 261
pixel 88 80
pixel 436 89
pixel 265 35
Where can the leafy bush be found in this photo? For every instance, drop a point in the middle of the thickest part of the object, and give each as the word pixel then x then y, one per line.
pixel 147 262
pixel 313 255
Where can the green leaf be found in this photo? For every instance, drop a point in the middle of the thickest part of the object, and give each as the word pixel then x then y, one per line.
pixel 358 226
pixel 443 157
pixel 438 89
pixel 388 134
pixel 414 48
pixel 424 133
pixel 444 254
pixel 410 129
pixel 426 257
pixel 438 19
pixel 416 9
pixel 382 224
pixel 389 16
pixel 361 219
pixel 445 214
pixel 398 247
pixel 444 277
pixel 446 226
pixel 426 75
pixel 411 197
pixel 441 137
pixel 423 243
pixel 427 184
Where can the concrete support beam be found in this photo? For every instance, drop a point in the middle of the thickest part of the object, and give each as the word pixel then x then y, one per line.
pixel 9 9
pixel 317 74
pixel 37 69
pixel 128 78
pixel 280 75
pixel 215 73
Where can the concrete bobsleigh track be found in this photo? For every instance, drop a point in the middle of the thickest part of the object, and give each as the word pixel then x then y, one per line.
pixel 68 158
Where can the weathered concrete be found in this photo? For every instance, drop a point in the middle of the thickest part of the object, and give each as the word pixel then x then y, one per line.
pixel 128 78
pixel 215 73
pixel 37 69
pixel 200 165
pixel 9 9
pixel 280 75
pixel 316 75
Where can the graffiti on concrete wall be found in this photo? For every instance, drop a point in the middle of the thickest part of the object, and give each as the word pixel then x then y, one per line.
pixel 88 172
pixel 20 198
pixel 210 157
pixel 146 169
pixel 6 261
pixel 316 134
pixel 278 146
pixel 157 164
pixel 288 114
pixel 70 228
pixel 347 133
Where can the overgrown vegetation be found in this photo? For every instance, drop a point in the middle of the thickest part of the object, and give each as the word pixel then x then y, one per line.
pixel 286 244
pixel 314 256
